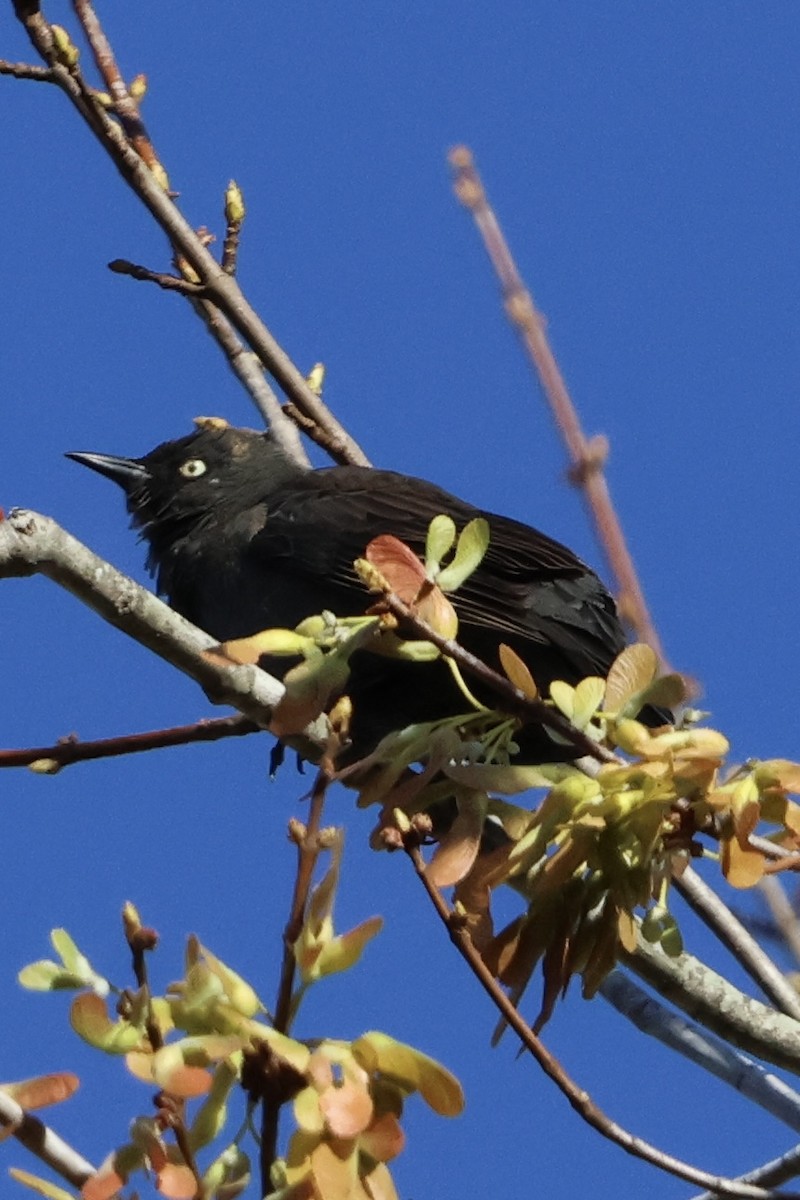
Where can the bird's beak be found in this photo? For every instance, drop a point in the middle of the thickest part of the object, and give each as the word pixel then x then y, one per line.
pixel 129 473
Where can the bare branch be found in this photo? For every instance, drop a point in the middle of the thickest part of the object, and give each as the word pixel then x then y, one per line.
pixel 718 1005
pixel 307 840
pixel 783 913
pixel 771 1174
pixel 249 369
pixel 125 106
pixel 587 455
pixel 70 750
pixel 580 1100
pixel 26 71
pixel 44 1143
pixel 169 283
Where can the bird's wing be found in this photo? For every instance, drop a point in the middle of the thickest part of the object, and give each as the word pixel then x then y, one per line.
pixel 528 588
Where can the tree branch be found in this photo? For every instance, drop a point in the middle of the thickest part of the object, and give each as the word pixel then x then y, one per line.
pixel 44 1143
pixel 771 1174
pixel 512 699
pixel 783 913
pixel 50 759
pixel 718 1005
pixel 587 456
pixel 26 71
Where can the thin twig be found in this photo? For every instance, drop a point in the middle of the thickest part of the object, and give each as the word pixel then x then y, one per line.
pixel 782 911
pixel 306 839
pixel 770 1174
pixel 587 456
pixel 169 283
pixel 26 71
pixel 717 917
pixel 70 750
pixel 221 288
pixel 141 941
pixel 579 1099
pixel 44 1143
pixel 125 106
pixel 515 701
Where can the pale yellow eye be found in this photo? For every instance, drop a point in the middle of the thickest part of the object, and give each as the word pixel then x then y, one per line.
pixel 193 469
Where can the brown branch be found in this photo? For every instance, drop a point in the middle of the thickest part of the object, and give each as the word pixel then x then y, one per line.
pixel 37 1137
pixel 307 840
pixel 169 283
pixel 782 911
pixel 125 106
pixel 513 700
pixel 579 1099
pixel 26 71
pixel 587 456
pixel 310 428
pixel 69 750
pixel 221 288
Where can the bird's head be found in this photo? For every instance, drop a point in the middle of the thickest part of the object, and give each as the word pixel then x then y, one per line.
pixel 216 470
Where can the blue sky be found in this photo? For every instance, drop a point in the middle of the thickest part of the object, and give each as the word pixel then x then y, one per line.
pixel 643 159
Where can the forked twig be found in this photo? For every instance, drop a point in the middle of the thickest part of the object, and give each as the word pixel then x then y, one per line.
pixel 126 142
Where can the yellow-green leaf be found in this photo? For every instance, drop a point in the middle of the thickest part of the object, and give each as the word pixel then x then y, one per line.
pixel 632 671
pixel 438 1087
pixel 563 696
pixel 90 1020
pixel 516 671
pixel 212 1114
pixel 473 542
pixel 344 951
pixel 48 976
pixel 239 992
pixel 586 700
pixel 440 539
pixel 42 1186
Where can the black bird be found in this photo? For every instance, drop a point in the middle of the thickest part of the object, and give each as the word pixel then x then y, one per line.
pixel 242 538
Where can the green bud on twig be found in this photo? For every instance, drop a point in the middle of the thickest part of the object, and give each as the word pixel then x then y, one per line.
pixel 234 204
pixel 66 52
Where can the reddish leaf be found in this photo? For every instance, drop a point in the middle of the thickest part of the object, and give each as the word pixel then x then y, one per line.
pixel 399 566
pixel 43 1090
